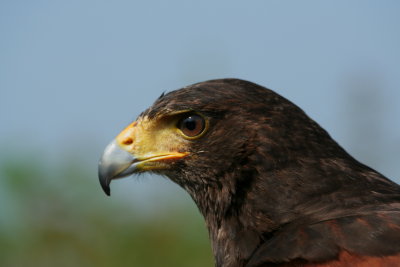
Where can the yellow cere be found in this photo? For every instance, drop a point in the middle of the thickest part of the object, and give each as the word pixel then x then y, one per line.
pixel 153 139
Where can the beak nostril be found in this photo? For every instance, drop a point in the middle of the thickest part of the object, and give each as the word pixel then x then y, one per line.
pixel 127 141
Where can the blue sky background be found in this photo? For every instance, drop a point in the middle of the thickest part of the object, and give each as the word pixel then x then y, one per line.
pixel 74 73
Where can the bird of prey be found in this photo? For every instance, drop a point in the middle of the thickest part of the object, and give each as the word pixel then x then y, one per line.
pixel 274 188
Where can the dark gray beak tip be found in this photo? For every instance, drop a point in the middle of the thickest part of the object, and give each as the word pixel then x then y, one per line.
pixel 114 163
pixel 106 186
pixel 104 182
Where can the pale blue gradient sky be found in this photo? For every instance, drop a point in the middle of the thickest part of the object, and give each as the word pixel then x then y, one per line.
pixel 74 73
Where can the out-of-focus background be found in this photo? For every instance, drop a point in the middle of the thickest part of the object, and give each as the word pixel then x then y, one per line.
pixel 74 73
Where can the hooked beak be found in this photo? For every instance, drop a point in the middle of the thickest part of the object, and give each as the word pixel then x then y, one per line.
pixel 115 163
pixel 134 150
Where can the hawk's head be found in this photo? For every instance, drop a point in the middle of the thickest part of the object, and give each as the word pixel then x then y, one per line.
pixel 259 169
pixel 200 133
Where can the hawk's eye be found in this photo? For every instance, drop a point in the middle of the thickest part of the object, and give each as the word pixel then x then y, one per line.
pixel 192 125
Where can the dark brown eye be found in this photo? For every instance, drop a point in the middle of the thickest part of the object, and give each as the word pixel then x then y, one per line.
pixel 192 125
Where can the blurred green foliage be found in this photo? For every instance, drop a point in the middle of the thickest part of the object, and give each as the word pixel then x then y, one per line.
pixel 58 216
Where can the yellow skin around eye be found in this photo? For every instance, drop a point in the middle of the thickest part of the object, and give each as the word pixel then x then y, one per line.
pixel 155 141
pixel 204 130
pixel 152 141
pixel 199 125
